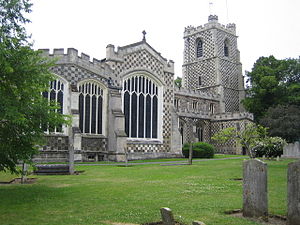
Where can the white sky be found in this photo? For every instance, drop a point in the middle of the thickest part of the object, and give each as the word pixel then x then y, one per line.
pixel 264 27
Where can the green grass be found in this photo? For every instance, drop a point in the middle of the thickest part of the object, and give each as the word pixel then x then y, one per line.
pixel 135 194
pixel 216 156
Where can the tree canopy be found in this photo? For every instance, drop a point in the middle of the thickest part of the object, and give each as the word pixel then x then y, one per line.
pixel 283 121
pixel 272 82
pixel 24 75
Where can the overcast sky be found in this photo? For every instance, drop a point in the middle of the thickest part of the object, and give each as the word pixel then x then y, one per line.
pixel 264 27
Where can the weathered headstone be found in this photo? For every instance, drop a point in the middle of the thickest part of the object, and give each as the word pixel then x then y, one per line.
pixel 167 216
pixel 293 190
pixel 255 194
pixel 198 223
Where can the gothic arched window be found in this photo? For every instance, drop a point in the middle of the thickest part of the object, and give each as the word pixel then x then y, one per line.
pixel 141 107
pixel 199 48
pixel 226 48
pixel 91 107
pixel 57 92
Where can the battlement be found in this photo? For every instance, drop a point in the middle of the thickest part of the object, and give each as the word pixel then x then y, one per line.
pixel 196 93
pixel 72 56
pixel 212 23
pixel 233 116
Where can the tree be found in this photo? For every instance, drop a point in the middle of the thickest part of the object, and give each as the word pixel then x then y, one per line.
pixel 247 138
pixel 178 82
pixel 24 75
pixel 272 82
pixel 283 121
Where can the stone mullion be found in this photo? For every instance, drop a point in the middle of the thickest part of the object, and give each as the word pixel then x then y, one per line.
pixel 97 113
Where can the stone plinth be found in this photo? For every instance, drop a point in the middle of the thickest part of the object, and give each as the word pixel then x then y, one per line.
pixel 255 195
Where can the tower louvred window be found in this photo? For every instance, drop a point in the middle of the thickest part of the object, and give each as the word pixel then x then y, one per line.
pixel 199 48
pixel 91 108
pixel 140 104
pixel 226 48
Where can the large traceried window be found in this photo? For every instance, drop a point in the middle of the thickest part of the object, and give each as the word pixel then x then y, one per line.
pixel 57 92
pixel 91 107
pixel 199 48
pixel 141 105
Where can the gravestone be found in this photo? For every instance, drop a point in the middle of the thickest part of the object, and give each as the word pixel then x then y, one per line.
pixel 293 190
pixel 52 169
pixel 167 216
pixel 255 194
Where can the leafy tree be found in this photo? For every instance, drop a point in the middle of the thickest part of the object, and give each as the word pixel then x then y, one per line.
pixel 247 138
pixel 24 75
pixel 273 82
pixel 178 82
pixel 283 121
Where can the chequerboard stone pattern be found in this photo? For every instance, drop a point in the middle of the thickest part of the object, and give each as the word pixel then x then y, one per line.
pixel 255 193
pixel 167 216
pixel 219 74
pixel 293 191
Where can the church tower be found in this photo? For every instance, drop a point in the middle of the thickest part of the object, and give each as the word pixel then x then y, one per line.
pixel 212 64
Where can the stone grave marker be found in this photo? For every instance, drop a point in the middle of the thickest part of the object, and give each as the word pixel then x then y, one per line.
pixel 255 194
pixel 167 216
pixel 293 192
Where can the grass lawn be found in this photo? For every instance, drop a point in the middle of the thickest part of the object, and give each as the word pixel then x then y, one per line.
pixel 135 194
pixel 216 156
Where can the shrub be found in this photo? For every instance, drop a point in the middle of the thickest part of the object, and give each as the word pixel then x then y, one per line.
pixel 269 147
pixel 200 150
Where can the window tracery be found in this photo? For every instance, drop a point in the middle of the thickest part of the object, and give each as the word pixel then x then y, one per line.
pixel 141 107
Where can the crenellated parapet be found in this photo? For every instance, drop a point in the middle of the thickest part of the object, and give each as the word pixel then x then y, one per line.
pixel 212 23
pixel 72 57
pixel 196 94
pixel 233 116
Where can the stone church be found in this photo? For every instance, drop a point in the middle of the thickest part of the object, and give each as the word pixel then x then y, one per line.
pixel 128 104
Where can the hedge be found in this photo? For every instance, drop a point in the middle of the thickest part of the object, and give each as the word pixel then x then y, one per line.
pixel 200 150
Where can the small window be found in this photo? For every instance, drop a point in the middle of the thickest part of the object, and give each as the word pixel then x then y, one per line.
pixel 200 133
pixel 226 48
pixel 199 48
pixel 176 103
pixel 211 108
pixel 199 81
pixel 194 105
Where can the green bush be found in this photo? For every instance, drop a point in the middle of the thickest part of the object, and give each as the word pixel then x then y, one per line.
pixel 200 150
pixel 270 147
